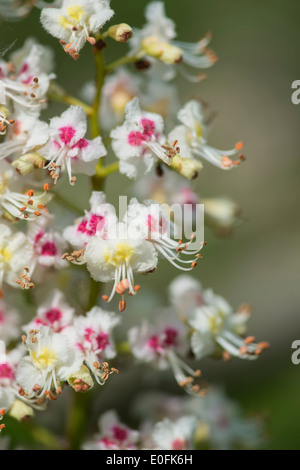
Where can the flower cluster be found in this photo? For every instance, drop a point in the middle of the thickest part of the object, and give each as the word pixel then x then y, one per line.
pixel 60 240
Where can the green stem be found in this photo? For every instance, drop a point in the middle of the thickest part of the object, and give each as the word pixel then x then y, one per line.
pixel 76 427
pixel 122 61
pixel 100 76
pixel 104 171
pixel 56 93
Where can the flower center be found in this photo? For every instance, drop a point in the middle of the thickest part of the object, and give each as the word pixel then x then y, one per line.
pixel 73 17
pixel 122 254
pixel 6 255
pixel 49 249
pixel 44 358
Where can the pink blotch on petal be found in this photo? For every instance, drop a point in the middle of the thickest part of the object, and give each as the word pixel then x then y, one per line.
pixel 53 315
pixel 6 372
pixel 66 134
pixel 148 126
pixel 49 249
pixel 136 139
pixel 120 434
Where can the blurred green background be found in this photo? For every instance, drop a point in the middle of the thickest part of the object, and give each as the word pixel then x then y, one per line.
pixel 250 87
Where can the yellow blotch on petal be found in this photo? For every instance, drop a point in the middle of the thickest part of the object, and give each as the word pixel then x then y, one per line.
pixel 122 254
pixel 44 358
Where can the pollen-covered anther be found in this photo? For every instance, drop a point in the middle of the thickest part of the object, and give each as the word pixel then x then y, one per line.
pixel 263 345
pixel 122 305
pixel 36 388
pixel 243 350
pixel 245 308
pixel 50 395
pixel 2 426
pixel 2 412
pixel 187 381
pixel 249 340
pixel 78 254
pixel 171 150
pixel 24 280
pixel 122 286
pixel 226 356
pixel 105 298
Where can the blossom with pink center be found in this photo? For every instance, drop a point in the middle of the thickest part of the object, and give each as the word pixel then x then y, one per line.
pixel 162 344
pixel 8 365
pixel 191 136
pixel 25 79
pixel 48 245
pixel 114 435
pixel 27 134
pixel 138 142
pixel 175 435
pixel 92 335
pixel 94 222
pixel 68 146
pixel 151 222
pixel 9 323
pixel 55 312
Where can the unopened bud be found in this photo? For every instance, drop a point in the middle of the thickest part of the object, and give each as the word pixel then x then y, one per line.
pixel 187 167
pixel 81 380
pixel 27 163
pixel 20 411
pixel 163 51
pixel 120 32
pixel 222 214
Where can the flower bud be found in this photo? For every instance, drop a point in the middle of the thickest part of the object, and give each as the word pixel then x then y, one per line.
pixel 120 32
pixel 187 167
pixel 163 51
pixel 27 163
pixel 20 411
pixel 82 380
pixel 221 214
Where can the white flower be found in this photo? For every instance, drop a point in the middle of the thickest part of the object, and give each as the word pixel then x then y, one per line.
pixel 223 421
pixel 162 344
pixel 92 336
pixel 76 21
pixel 95 221
pixel 8 385
pixel 13 202
pixel 185 294
pixel 25 79
pixel 118 257
pixel 157 41
pixel 119 88
pixel 152 223
pixel 138 142
pixel 55 313
pixel 48 245
pixel 68 147
pixel 50 362
pixel 215 324
pixel 9 323
pixel 15 254
pixel 191 138
pixel 177 435
pixel 26 135
pixel 114 435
